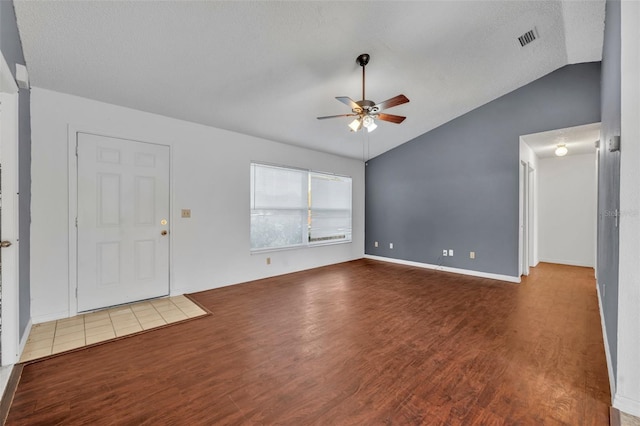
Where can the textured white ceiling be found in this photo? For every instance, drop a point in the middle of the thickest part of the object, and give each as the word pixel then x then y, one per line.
pixel 579 140
pixel 268 68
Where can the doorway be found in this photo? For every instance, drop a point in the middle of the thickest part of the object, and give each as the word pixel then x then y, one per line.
pixel 561 196
pixel 122 221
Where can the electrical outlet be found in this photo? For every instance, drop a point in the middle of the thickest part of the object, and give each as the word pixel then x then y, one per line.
pixel 472 255
pixel 268 261
pixel 450 252
pixel 375 244
pixel 391 246
pixel 445 252
pixel 186 213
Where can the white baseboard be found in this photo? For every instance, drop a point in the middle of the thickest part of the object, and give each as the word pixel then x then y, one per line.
pixel 479 274
pixel 612 379
pixel 49 317
pixel 629 406
pixel 198 289
pixel 567 262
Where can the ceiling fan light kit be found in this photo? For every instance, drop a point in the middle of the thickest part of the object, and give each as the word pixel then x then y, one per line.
pixel 355 125
pixel 366 111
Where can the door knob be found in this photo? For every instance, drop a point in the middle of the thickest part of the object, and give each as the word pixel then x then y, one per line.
pixel 164 232
pixel 5 244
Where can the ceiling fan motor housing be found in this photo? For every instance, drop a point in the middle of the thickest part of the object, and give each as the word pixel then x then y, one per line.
pixel 366 106
pixel 363 59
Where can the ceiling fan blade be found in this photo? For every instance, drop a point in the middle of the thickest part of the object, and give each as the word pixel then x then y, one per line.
pixel 336 116
pixel 392 118
pixel 390 103
pixel 349 102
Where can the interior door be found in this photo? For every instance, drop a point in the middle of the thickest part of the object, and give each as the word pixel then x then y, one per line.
pixel 123 221
pixel 9 244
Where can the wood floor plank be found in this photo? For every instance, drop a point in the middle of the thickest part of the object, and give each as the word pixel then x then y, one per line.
pixel 362 342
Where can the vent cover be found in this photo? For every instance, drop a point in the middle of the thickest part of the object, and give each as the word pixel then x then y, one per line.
pixel 527 37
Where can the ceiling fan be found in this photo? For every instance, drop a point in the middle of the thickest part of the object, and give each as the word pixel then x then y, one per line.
pixel 365 111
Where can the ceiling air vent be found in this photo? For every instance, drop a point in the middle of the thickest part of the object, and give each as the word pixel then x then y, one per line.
pixel 527 37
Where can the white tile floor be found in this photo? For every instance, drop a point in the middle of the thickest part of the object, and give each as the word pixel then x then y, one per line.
pixel 70 333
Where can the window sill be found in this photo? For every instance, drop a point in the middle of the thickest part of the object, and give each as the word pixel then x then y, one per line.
pixel 300 247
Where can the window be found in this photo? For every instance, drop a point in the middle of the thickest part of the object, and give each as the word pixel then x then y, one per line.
pixel 296 208
pixel 329 208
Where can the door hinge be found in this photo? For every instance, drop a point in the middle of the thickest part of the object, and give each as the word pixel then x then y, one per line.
pixel 76 150
pixel 76 222
pixel 76 292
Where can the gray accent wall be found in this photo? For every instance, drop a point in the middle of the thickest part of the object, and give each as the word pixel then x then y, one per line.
pixel 11 47
pixel 609 179
pixel 456 187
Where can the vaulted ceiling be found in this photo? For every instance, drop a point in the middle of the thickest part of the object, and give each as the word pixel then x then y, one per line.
pixel 269 68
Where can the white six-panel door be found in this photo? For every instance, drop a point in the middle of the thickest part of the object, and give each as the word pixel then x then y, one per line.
pixel 123 221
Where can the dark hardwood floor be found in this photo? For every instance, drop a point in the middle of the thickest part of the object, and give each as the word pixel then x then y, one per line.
pixel 359 343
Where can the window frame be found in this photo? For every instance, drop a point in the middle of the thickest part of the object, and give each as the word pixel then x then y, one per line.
pixel 306 240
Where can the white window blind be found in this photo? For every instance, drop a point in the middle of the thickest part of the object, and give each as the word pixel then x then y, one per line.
pixel 293 207
pixel 278 206
pixel 330 208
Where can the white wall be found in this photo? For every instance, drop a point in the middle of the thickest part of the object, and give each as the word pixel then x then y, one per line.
pixel 567 209
pixel 627 396
pixel 210 176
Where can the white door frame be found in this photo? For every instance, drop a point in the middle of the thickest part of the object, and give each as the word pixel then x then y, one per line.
pixel 10 336
pixel 527 214
pixel 72 140
pixel 531 217
pixel 523 257
pixel 595 254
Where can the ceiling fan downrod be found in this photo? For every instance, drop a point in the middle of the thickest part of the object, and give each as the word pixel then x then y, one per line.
pixel 363 60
